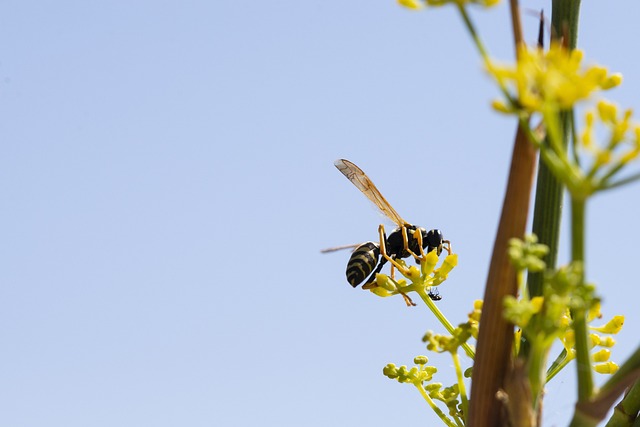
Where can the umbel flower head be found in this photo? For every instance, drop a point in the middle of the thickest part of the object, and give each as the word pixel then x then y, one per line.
pixel 554 79
pixel 422 279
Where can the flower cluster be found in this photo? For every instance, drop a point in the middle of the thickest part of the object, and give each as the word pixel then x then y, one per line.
pixel 451 343
pixel 543 319
pixel 598 342
pixel 527 254
pixel 550 80
pixel 415 375
pixel 620 146
pixel 420 376
pixel 422 279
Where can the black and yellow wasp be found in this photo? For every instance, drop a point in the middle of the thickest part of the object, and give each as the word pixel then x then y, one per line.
pixel 404 241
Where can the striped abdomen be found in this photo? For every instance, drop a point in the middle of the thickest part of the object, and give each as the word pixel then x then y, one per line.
pixel 362 262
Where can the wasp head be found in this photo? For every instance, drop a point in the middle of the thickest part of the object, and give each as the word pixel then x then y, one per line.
pixel 432 239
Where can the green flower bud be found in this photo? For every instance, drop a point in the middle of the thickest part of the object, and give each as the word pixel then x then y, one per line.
pixel 420 360
pixel 390 371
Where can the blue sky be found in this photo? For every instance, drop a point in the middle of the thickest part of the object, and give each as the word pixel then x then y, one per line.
pixel 167 182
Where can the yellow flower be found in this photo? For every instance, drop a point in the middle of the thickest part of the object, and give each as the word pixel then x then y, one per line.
pixel 411 4
pixel 606 368
pixel 602 355
pixel 553 79
pixel 606 342
pixel 613 326
pixel 619 146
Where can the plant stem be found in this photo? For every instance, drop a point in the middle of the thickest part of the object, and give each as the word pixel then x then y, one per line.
pixel 443 320
pixel 495 337
pixel 583 358
pixel 548 204
pixel 547 213
pixel 561 361
pixel 461 388
pixel 537 359
pixel 564 21
pixel 628 408
pixel 433 405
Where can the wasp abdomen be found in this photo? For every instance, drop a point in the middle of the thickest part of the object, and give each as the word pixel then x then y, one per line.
pixel 362 262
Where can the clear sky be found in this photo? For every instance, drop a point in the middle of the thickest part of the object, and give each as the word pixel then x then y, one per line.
pixel 167 182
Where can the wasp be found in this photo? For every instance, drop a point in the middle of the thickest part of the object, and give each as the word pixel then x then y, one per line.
pixel 406 240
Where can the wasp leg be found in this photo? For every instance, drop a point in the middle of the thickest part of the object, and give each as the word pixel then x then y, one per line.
pixel 448 247
pixel 383 250
pixel 394 263
pixel 418 236
pixel 407 300
pixel 405 240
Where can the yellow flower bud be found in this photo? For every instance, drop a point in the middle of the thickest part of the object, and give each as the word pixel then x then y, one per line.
pixel 381 292
pixel 536 304
pixel 606 368
pixel 613 81
pixel 607 111
pixel 569 339
pixel 501 107
pixel 594 312
pixel 613 326
pixel 602 355
pixel 383 281
pixel 413 273
pixel 450 261
pixel 607 342
pixel 411 4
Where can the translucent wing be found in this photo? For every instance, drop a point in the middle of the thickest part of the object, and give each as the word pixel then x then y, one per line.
pixel 339 248
pixel 364 184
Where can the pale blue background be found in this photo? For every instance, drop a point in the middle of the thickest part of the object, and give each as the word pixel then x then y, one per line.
pixel 167 182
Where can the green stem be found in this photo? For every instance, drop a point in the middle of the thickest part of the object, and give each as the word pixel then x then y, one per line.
pixel 443 320
pixel 474 34
pixel 433 405
pixel 629 407
pixel 547 213
pixel 484 54
pixel 561 361
pixel 461 387
pixel 583 358
pixel 577 229
pixel 626 411
pixel 548 204
pixel 624 181
pixel 564 21
pixel 537 359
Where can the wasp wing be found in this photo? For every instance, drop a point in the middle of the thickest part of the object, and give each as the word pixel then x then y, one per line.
pixel 339 248
pixel 364 184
